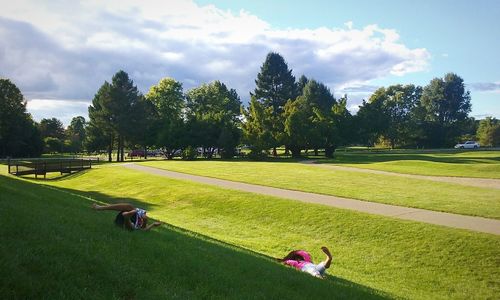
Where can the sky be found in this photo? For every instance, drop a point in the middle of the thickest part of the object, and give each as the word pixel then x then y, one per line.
pixel 60 52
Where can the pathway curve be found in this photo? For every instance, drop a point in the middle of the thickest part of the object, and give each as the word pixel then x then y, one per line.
pixel 469 181
pixel 407 213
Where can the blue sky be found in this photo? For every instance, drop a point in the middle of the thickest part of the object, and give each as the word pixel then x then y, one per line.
pixel 60 52
pixel 461 35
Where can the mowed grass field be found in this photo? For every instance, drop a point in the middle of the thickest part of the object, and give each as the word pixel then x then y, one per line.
pixel 439 196
pixel 468 163
pixel 63 249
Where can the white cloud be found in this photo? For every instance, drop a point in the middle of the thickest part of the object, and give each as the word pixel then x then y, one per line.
pixel 64 110
pixel 65 50
pixel 491 87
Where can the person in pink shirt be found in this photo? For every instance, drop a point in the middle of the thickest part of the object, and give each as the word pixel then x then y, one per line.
pixel 301 260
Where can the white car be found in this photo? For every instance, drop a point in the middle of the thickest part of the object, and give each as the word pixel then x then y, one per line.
pixel 468 145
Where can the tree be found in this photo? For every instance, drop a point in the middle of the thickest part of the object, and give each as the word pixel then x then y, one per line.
pixel 275 85
pixel 19 135
pixel 112 111
pixel 124 98
pixel 213 113
pixel 341 132
pixel 488 132
pixel 53 145
pixel 75 134
pixel 255 128
pixel 169 102
pixel 52 127
pixel 297 125
pixel 100 128
pixel 390 114
pixel 446 105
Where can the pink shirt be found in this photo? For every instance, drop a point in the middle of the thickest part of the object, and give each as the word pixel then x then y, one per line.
pixel 299 264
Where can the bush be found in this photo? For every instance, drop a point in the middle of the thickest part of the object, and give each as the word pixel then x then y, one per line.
pixel 257 155
pixel 189 153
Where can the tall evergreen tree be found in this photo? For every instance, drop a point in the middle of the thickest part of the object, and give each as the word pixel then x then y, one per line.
pixel 275 85
pixel 112 111
pixel 100 127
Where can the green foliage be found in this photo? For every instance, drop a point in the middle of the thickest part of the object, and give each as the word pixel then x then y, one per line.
pixel 391 115
pixel 257 129
pixel 189 153
pixel 52 127
pixel 488 132
pixel 297 125
pixel 213 113
pixel 169 101
pixel 75 135
pixel 19 135
pixel 53 145
pixel 275 85
pixel 115 112
pixel 316 120
pixel 446 105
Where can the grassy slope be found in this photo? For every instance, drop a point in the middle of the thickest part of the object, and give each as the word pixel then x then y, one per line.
pixel 480 164
pixel 402 258
pixel 55 247
pixel 370 187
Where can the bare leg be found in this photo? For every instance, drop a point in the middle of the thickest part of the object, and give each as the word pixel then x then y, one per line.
pixel 117 207
pixel 328 260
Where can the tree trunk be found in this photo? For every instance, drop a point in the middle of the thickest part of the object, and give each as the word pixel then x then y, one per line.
pixel 119 147
pixel 123 150
pixel 145 152
pixel 275 153
pixel 329 151
pixel 287 151
pixel 110 149
pixel 295 152
pixel 316 151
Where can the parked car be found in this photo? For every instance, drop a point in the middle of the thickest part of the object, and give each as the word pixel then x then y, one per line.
pixel 467 145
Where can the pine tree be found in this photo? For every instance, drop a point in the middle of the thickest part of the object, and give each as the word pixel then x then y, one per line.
pixel 275 86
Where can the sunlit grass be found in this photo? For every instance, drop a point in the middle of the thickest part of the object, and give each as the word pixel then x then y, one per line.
pixel 401 258
pixel 395 190
pixel 480 164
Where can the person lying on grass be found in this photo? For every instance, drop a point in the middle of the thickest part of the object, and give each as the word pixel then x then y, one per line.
pixel 128 216
pixel 301 260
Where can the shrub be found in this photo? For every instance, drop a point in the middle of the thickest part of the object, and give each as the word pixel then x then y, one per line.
pixel 189 153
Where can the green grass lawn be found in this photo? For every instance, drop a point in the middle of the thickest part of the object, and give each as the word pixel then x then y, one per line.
pixel 480 164
pixel 67 249
pixel 370 187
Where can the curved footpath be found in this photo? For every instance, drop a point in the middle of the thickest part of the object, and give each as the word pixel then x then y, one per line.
pixel 407 213
pixel 469 181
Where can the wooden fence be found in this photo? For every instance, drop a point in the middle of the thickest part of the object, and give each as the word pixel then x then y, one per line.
pixel 43 166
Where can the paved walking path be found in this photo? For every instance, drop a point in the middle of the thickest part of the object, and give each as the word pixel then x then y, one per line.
pixel 400 212
pixel 477 182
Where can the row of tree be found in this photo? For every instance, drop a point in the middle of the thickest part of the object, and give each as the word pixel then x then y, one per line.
pixel 299 114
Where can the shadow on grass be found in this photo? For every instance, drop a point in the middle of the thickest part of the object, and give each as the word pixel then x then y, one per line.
pixel 171 258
